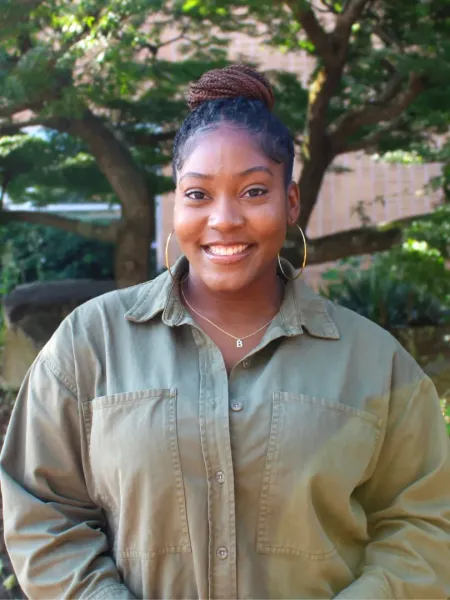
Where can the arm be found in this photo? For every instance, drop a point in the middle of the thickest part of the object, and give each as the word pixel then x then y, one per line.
pixel 407 502
pixel 53 531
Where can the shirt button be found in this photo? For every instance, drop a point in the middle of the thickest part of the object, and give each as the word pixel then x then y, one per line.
pixel 220 477
pixel 237 406
pixel 222 553
pixel 245 364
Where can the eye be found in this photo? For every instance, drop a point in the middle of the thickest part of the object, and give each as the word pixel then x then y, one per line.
pixel 195 195
pixel 255 192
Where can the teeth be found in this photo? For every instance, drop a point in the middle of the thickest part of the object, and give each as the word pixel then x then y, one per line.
pixel 227 250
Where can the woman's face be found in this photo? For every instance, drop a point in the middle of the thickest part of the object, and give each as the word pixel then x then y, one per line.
pixel 231 209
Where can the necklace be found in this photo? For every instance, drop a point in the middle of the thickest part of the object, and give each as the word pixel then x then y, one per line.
pixel 239 340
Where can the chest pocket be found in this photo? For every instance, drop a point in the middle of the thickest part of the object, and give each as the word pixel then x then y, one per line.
pixel 136 471
pixel 317 454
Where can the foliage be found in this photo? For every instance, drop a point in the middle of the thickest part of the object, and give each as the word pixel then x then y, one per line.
pixel 445 406
pixel 409 284
pixel 62 170
pixel 389 41
pixel 422 259
pixel 386 301
pixel 89 103
pixel 62 59
pixel 35 253
pixel 379 80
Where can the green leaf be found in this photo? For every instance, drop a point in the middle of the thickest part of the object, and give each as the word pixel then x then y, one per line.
pixel 190 4
pixel 10 582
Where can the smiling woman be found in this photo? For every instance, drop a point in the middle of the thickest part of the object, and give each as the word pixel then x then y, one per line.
pixel 230 220
pixel 223 431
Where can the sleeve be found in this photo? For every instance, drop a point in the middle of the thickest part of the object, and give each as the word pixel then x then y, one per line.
pixel 407 503
pixel 54 533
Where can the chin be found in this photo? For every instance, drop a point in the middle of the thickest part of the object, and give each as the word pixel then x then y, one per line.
pixel 225 282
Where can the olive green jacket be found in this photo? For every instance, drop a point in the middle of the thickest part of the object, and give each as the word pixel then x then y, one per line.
pixel 134 467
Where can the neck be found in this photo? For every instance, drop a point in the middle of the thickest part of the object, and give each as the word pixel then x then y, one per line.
pixel 255 303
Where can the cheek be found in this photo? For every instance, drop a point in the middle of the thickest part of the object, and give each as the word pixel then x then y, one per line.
pixel 188 224
pixel 271 223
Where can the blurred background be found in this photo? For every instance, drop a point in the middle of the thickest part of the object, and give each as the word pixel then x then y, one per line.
pixel 92 93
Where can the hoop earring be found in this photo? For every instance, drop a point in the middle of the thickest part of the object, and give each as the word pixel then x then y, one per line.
pixel 169 237
pixel 305 253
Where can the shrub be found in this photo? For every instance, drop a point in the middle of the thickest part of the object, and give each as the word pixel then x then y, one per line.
pixel 385 300
pixel 34 253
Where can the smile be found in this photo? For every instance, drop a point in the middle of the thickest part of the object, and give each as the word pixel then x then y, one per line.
pixel 227 250
pixel 227 255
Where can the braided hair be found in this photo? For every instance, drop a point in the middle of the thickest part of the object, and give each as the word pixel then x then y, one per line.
pixel 241 96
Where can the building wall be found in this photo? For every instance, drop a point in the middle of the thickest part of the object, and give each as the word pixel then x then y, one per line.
pixel 386 191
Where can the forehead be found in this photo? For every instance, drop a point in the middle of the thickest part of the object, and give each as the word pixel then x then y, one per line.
pixel 225 148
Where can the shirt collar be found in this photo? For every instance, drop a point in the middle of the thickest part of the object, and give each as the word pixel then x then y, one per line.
pixel 302 309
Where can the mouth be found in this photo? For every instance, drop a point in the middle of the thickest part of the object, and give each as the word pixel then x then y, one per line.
pixel 226 254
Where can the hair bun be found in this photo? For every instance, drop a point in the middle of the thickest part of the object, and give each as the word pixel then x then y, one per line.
pixel 231 82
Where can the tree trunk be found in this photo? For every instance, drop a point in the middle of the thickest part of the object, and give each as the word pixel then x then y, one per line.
pixel 310 183
pixel 136 230
pixel 133 249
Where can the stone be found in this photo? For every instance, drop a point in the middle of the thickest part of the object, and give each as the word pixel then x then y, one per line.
pixel 32 313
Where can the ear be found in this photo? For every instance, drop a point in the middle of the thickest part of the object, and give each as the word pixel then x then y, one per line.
pixel 293 203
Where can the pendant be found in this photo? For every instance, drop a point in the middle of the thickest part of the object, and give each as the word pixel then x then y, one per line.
pixel 239 344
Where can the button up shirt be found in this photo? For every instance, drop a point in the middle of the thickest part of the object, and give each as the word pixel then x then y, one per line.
pixel 134 466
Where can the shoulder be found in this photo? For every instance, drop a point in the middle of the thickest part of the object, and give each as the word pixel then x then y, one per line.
pixel 103 317
pixel 371 345
pixel 353 325
pixel 122 303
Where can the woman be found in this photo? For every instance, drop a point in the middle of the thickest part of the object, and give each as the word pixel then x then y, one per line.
pixel 222 431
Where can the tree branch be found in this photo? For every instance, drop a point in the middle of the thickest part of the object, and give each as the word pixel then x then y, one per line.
pixel 349 123
pixel 104 233
pixel 329 8
pixel 57 54
pixel 13 128
pixel 386 37
pixel 349 16
pixel 353 242
pixel 6 112
pixel 367 142
pixel 391 90
pixel 313 29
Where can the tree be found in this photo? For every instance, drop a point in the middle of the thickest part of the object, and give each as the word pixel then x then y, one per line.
pixel 89 76
pixel 90 73
pixel 380 82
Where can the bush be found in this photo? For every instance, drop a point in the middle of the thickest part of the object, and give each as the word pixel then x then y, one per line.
pixel 385 300
pixel 407 285
pixel 35 253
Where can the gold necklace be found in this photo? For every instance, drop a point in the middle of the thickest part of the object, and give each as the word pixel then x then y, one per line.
pixel 239 340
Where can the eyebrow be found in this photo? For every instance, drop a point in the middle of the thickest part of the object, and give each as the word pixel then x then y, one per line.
pixel 196 175
pixel 241 174
pixel 255 170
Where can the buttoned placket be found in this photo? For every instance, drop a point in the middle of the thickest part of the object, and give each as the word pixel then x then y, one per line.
pixel 215 400
pixel 216 447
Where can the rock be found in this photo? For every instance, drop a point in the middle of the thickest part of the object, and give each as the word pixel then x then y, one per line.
pixel 32 314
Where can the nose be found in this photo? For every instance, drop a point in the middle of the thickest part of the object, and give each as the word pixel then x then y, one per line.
pixel 226 215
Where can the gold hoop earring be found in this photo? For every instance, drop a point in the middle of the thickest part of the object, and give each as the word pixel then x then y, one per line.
pixel 305 253
pixel 169 237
